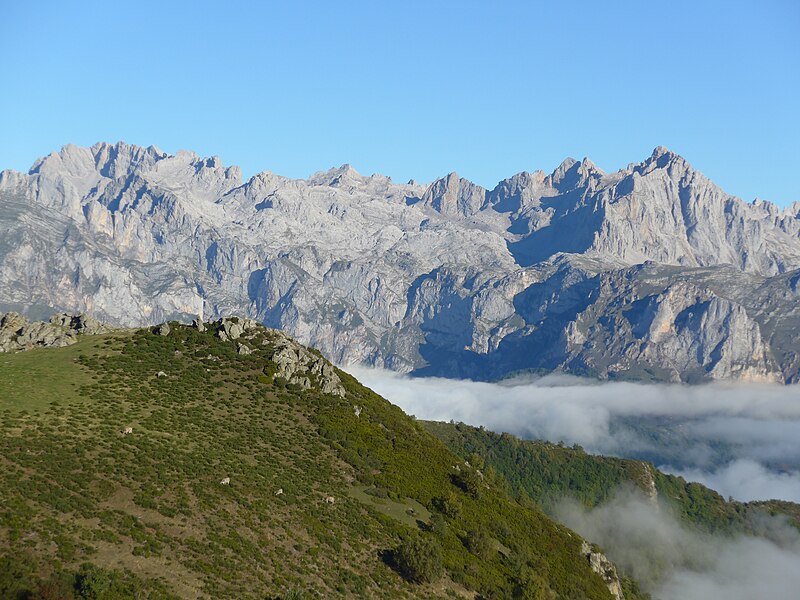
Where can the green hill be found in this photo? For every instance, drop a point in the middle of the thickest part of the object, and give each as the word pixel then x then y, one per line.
pixel 546 472
pixel 230 462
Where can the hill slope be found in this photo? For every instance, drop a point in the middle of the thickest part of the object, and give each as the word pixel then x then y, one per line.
pixel 449 279
pixel 227 461
pixel 547 472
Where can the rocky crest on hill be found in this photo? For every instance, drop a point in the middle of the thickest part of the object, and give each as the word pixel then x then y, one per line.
pixel 293 362
pixel 605 568
pixel 17 333
pixel 649 272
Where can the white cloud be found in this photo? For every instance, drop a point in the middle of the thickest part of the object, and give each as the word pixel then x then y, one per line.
pixel 755 427
pixel 673 563
pixel 746 480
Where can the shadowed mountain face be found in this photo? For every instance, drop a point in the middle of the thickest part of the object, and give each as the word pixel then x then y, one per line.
pixel 650 272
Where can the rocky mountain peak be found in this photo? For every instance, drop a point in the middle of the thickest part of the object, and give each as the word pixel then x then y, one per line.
pixel 660 151
pixel 588 168
pixel 663 159
pixel 453 196
pixel 561 170
pixel 71 160
pixel 337 177
pixel 571 174
pixel 120 159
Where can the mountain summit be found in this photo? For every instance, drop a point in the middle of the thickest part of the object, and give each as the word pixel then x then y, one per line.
pixel 651 271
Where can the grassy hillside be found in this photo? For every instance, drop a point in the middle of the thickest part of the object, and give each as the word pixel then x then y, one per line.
pixel 319 502
pixel 546 472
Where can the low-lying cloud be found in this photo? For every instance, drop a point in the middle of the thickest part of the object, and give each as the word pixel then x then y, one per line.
pixel 671 562
pixel 726 436
pixel 745 480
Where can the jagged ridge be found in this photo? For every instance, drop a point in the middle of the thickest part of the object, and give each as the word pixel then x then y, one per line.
pixel 448 279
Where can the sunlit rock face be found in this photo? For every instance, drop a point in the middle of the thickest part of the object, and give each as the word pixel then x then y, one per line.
pixel 649 272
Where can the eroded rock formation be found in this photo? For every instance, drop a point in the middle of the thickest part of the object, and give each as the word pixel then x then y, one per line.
pixel 649 272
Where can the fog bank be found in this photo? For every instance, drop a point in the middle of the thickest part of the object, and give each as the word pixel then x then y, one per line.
pixel 742 440
pixel 673 563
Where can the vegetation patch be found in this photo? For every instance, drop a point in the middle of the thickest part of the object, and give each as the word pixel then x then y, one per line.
pixel 173 465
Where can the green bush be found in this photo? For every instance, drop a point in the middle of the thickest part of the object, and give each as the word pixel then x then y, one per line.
pixel 419 559
pixel 469 481
pixel 14 573
pixel 479 543
pixel 449 505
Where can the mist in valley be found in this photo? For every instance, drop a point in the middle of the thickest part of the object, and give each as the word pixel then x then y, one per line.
pixel 740 440
pixel 647 541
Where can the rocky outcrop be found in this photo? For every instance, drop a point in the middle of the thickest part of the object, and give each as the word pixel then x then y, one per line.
pixel 454 196
pixel 605 568
pixel 300 366
pixel 18 334
pixel 293 362
pixel 648 272
pixel 648 484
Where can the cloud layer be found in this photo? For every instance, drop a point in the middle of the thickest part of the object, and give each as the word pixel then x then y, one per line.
pixel 745 480
pixel 673 563
pixel 743 440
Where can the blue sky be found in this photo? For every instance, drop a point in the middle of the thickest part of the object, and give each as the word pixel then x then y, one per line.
pixel 413 89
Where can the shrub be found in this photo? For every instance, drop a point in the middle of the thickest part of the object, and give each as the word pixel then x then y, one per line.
pixel 469 481
pixel 419 559
pixel 529 586
pixel 479 543
pixel 60 586
pixel 14 572
pixel 449 505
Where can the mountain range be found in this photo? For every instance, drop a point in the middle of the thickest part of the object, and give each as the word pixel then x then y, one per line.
pixel 651 272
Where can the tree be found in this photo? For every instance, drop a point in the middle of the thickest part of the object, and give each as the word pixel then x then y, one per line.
pixel 419 559
pixel 476 461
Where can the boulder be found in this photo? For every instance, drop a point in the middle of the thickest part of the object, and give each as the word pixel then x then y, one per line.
pixel 17 333
pixel 605 568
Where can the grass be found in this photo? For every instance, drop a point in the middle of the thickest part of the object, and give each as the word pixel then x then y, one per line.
pixel 408 512
pixel 32 380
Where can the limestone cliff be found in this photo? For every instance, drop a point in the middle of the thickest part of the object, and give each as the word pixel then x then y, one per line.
pixel 651 271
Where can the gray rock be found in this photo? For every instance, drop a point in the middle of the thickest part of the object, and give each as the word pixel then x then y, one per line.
pixel 235 331
pixel 17 333
pixel 600 564
pixel 163 330
pixel 545 271
pixel 231 328
pixel 299 365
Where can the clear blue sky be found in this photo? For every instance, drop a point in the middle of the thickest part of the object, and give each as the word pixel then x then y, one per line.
pixel 413 89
